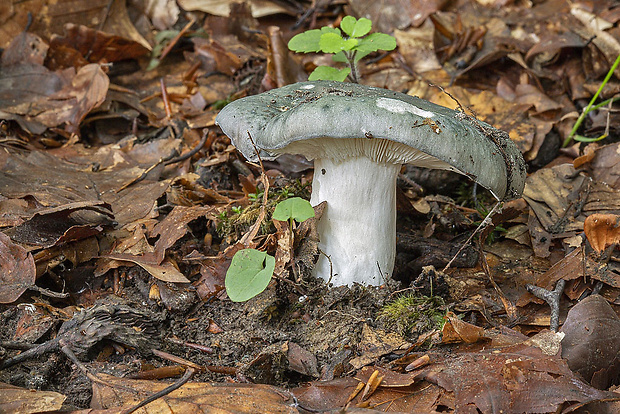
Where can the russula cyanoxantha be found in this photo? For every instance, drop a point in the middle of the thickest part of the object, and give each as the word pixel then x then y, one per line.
pixel 359 137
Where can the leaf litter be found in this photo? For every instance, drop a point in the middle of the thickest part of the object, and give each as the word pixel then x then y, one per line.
pixel 111 203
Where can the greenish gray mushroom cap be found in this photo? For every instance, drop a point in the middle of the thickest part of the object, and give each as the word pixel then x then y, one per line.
pixel 359 136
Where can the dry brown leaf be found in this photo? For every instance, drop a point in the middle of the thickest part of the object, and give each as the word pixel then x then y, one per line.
pixel 164 271
pixel 457 330
pixel 508 380
pixel 554 195
pixel 71 104
pixel 592 342
pixel 375 343
pixel 54 15
pixel 194 397
pixel 416 47
pixel 96 45
pixel 17 400
pixel 605 164
pixel 388 15
pixel 17 271
pixel 602 230
pixel 174 226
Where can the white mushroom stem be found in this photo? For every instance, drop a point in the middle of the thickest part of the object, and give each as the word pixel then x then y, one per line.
pixel 358 227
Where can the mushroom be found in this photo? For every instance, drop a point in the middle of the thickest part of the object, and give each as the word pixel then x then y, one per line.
pixel 359 137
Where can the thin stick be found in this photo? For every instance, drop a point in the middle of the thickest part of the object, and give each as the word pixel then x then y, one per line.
pixel 485 222
pixel 189 373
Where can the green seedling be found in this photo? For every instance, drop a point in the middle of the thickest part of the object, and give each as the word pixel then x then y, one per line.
pixel 295 208
pixel 591 107
pixel 249 274
pixel 251 270
pixel 258 195
pixel 349 48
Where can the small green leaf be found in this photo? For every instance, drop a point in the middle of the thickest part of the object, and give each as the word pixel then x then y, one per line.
pixel 296 208
pixel 374 42
pixel 306 42
pixel 340 57
pixel 249 274
pixel 348 24
pixel 356 28
pixel 334 43
pixel 329 73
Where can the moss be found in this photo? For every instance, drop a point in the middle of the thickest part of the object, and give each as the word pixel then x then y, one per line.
pixel 411 314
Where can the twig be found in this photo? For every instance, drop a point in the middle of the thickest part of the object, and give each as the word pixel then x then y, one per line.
pixel 331 266
pixel 189 373
pixel 552 297
pixel 190 153
pixel 168 160
pixel 174 40
pixel 165 98
pixel 49 293
pixel 482 225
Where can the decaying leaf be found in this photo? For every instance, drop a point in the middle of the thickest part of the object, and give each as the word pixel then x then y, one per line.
pixel 507 379
pixel 376 343
pixel 194 397
pixel 17 270
pixel 592 342
pixel 25 401
pixel 602 230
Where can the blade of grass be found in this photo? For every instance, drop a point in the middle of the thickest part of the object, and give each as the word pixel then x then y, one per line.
pixel 590 106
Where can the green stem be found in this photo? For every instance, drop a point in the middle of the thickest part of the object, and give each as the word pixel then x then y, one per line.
pixel 589 108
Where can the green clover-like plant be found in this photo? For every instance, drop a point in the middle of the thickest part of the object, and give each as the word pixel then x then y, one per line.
pixel 251 270
pixel 350 48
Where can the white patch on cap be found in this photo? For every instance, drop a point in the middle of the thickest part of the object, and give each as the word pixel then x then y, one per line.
pixel 400 107
pixel 306 87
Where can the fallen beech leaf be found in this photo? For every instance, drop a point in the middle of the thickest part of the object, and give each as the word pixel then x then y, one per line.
pixel 17 270
pixel 513 379
pixel 97 45
pixel 23 401
pixel 175 226
pixel 592 342
pixel 164 271
pixel 71 104
pixel 456 330
pixel 376 343
pixel 602 230
pixel 194 397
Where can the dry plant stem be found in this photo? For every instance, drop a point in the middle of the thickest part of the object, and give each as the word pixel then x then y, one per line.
pixel 552 297
pixel 164 96
pixel 510 308
pixel 190 153
pixel 93 377
pixel 177 360
pixel 36 351
pixel 249 236
pixel 189 373
pixel 174 41
pixel 170 159
pixel 485 222
pixel 49 293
